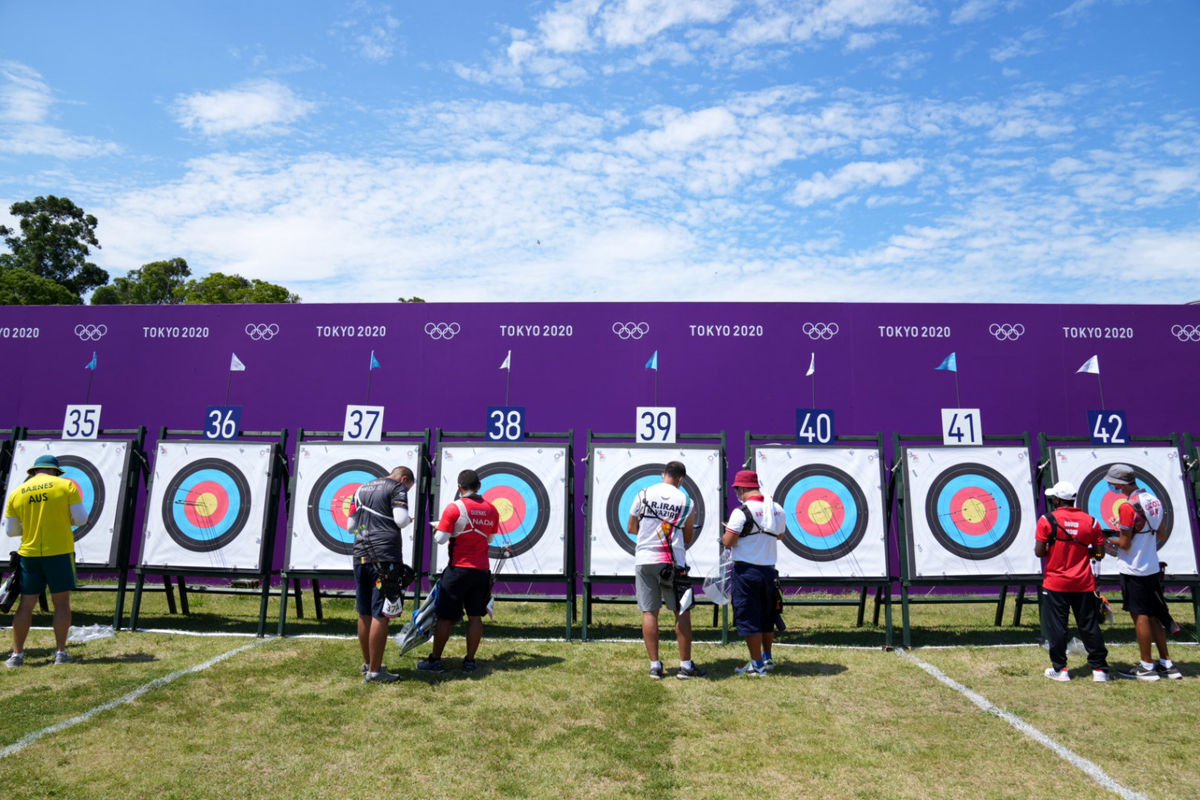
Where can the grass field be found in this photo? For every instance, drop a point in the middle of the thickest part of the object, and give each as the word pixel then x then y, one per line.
pixel 840 717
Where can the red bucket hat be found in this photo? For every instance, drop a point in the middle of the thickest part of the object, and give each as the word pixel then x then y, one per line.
pixel 746 479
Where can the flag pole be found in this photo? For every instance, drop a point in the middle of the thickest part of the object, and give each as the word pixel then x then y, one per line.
pixel 957 394
pixel 92 374
pixel 370 375
pixel 507 383
pixel 228 385
pixel 1100 383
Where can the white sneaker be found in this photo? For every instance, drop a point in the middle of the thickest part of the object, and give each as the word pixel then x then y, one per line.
pixel 768 664
pixel 1057 674
pixel 1101 676
pixel 15 660
pixel 751 670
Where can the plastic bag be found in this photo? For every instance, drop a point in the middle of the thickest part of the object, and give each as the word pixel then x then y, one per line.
pixel 87 633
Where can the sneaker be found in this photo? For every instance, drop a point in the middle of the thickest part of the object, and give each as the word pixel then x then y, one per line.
pixel 1101 675
pixel 751 670
pixel 469 665
pixel 61 657
pixel 695 672
pixel 1140 673
pixel 1172 672
pixel 383 676
pixel 431 665
pixel 366 669
pixel 15 660
pixel 656 672
pixel 768 664
pixel 1057 674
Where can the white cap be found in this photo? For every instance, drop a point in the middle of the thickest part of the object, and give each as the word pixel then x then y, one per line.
pixel 1063 490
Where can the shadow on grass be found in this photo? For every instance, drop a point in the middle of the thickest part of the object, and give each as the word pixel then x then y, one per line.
pixel 506 661
pixel 125 658
pixel 723 669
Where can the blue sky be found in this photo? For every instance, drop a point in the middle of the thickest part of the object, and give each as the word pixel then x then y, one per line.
pixel 617 150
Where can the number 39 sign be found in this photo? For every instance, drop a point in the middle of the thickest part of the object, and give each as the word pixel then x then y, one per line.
pixel 655 424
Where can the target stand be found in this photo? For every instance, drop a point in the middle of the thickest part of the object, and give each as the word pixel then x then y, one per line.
pixel 328 471
pixel 211 513
pixel 530 482
pixel 835 501
pixel 966 518
pixel 106 471
pixel 1162 471
pixel 617 469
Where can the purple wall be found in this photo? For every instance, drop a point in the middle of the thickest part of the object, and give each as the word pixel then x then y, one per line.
pixel 728 367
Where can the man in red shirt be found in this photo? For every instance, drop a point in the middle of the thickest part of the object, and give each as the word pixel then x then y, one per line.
pixel 1067 538
pixel 469 523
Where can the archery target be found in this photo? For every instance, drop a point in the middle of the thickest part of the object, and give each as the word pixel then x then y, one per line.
pixel 99 469
pixel 832 499
pixel 1159 471
pixel 327 476
pixel 207 506
pixel 527 483
pixel 970 512
pixel 617 474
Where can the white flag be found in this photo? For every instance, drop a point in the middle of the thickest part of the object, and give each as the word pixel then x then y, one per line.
pixel 507 362
pixel 1092 365
pixel 236 365
pixel 812 365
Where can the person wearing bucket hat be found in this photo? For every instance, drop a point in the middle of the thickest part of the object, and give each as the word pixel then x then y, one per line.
pixel 41 511
pixel 1138 533
pixel 1067 539
pixel 752 533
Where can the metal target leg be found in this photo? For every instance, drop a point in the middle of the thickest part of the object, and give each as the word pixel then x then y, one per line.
pixel 170 590
pixel 878 597
pixel 1020 604
pixel 137 601
pixel 183 598
pixel 317 599
pixel 1000 605
pixel 283 601
pixel 299 596
pixel 862 607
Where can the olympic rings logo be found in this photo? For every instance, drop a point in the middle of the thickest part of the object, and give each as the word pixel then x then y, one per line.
pixel 1004 332
pixel 442 330
pixel 630 330
pixel 90 333
pixel 1186 333
pixel 820 330
pixel 259 331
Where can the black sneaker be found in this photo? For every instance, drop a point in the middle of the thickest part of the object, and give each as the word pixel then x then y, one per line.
pixel 656 672
pixel 695 672
pixel 431 665
pixel 1140 673
pixel 1172 672
pixel 469 665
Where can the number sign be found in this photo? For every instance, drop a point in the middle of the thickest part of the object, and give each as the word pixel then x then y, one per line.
pixel 961 426
pixel 505 423
pixel 655 424
pixel 81 422
pixel 1108 427
pixel 814 426
pixel 363 424
pixel 222 422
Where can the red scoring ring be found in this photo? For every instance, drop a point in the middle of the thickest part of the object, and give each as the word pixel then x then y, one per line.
pixel 814 527
pixel 193 512
pixel 513 521
pixel 343 504
pixel 960 522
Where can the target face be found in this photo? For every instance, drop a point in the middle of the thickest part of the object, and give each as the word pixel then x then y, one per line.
pixel 972 511
pixel 1103 503
pixel 826 512
pixel 86 478
pixel 206 505
pixel 331 502
pixel 524 506
pixel 620 500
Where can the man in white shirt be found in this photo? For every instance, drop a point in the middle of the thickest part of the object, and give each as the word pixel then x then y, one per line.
pixel 663 521
pixel 752 534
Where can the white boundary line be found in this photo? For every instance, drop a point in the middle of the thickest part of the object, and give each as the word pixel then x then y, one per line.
pixel 30 738
pixel 1089 768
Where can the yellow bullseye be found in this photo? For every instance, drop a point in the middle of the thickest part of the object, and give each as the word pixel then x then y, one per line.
pixel 205 504
pixel 820 512
pixel 974 511
pixel 505 507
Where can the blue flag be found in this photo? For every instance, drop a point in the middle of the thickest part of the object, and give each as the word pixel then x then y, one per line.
pixel 653 362
pixel 950 363
pixel 91 364
pixel 374 362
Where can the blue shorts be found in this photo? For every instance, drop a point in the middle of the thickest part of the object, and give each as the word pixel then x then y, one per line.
pixel 753 598
pixel 54 572
pixel 368 599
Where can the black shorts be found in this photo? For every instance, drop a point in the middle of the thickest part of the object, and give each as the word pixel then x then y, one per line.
pixel 753 598
pixel 1143 595
pixel 464 588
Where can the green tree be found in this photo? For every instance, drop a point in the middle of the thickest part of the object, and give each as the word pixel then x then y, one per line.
pixel 221 288
pixel 155 284
pixel 410 299
pixel 53 244
pixel 20 287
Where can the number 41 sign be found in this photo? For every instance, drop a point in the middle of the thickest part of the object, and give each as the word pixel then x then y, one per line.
pixel 961 426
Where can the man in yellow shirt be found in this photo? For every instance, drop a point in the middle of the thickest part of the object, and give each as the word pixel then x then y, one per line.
pixel 41 511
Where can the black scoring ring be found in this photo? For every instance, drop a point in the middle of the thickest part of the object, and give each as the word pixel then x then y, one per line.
pixel 950 536
pixel 618 516
pixel 174 505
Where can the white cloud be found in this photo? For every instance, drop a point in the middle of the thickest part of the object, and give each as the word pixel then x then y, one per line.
pixel 370 31
pixel 1023 45
pixel 974 11
pixel 255 108
pixel 26 101
pixel 852 177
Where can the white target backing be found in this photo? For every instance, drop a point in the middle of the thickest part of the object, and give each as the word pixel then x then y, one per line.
pixel 99 469
pixel 1159 471
pixel 617 473
pixel 208 506
pixel 832 498
pixel 528 485
pixel 970 513
pixel 327 476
